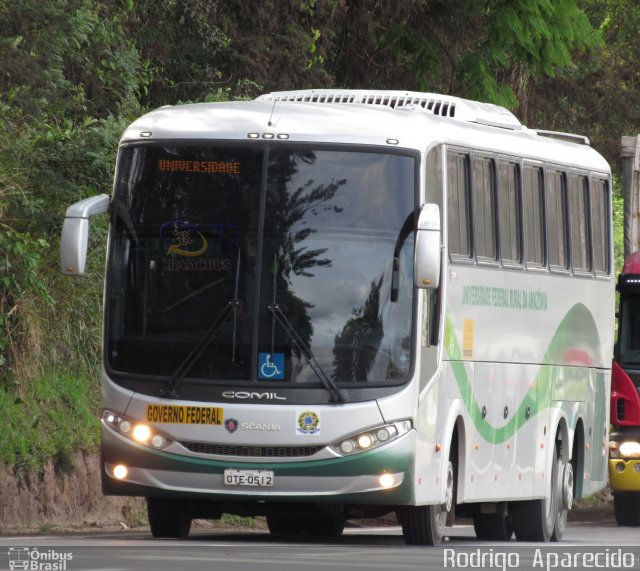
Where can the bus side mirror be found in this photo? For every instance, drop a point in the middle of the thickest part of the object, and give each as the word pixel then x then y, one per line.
pixel 75 233
pixel 427 259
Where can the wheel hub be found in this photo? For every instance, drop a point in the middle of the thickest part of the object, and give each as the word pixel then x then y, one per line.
pixel 448 502
pixel 567 487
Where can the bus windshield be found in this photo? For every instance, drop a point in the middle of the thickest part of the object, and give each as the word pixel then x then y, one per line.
pixel 261 264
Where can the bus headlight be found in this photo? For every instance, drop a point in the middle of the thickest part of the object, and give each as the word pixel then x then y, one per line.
pixel 370 439
pixel 365 441
pixel 137 431
pixel 629 449
pixel 141 433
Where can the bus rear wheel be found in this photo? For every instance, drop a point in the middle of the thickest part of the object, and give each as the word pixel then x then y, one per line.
pixel 565 491
pixel 545 520
pixel 168 517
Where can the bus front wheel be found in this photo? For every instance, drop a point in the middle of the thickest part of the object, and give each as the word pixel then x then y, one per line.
pixel 425 525
pixel 422 525
pixel 168 517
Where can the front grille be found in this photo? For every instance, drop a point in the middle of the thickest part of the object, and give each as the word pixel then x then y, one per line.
pixel 253 451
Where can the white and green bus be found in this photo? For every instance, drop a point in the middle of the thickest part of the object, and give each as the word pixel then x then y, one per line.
pixel 325 305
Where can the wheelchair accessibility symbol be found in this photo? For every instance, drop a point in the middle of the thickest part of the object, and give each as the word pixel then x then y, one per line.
pixel 271 366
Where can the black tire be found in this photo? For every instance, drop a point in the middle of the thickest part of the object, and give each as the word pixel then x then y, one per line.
pixel 531 521
pixel 626 507
pixel 422 525
pixel 286 524
pixel 325 526
pixel 169 517
pixel 492 527
pixel 425 525
pixel 535 520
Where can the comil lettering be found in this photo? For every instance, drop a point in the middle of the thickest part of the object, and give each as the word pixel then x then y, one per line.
pixel 253 395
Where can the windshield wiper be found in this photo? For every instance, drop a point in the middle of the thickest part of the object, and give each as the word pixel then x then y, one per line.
pixel 233 306
pixel 190 360
pixel 336 394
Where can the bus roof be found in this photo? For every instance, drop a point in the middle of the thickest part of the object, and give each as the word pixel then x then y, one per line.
pixel 386 118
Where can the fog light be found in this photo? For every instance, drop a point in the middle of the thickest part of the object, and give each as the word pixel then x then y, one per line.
pixel 620 466
pixel 386 480
pixel 120 472
pixel 636 467
pixel 364 441
pixel 141 433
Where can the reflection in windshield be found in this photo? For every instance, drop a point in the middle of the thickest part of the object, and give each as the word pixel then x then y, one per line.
pixel 357 344
pixel 321 249
pixel 331 226
pixel 304 350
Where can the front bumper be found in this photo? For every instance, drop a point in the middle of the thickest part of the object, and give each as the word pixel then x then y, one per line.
pixel 352 479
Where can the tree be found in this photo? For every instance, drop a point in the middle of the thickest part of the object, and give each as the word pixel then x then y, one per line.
pixel 599 95
pixel 486 50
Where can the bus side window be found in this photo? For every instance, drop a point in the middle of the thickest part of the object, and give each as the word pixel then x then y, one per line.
pixel 533 216
pixel 556 190
pixel 599 217
pixel 509 213
pixel 484 208
pixel 458 205
pixel 578 224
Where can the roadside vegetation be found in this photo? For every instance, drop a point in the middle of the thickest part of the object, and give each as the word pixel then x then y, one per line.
pixel 74 73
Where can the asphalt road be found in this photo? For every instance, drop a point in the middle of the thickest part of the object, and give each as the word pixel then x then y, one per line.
pixel 586 545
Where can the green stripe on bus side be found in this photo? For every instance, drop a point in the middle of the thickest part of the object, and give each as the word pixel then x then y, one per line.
pixel 577 328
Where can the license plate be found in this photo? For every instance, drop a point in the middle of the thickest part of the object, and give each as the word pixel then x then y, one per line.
pixel 248 478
